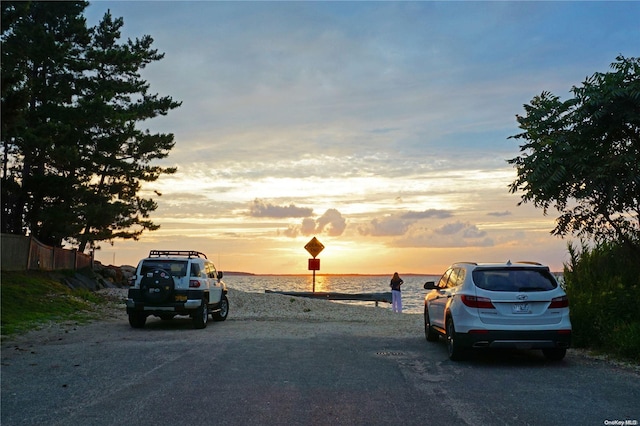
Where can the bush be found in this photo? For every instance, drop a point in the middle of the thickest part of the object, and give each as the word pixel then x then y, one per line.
pixel 603 284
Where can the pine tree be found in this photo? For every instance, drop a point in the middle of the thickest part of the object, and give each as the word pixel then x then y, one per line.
pixel 42 48
pixel 74 158
pixel 116 154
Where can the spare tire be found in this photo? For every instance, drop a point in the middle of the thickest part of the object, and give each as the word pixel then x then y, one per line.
pixel 157 286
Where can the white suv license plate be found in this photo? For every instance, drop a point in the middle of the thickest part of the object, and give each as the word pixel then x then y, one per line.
pixel 521 308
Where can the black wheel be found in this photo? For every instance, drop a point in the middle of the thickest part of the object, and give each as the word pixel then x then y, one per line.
pixel 221 315
pixel 157 287
pixel 201 315
pixel 456 352
pixel 554 354
pixel 137 319
pixel 430 334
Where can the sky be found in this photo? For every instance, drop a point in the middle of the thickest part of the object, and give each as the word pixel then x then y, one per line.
pixel 380 128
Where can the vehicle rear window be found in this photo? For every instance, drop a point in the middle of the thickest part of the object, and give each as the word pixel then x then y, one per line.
pixel 514 279
pixel 177 268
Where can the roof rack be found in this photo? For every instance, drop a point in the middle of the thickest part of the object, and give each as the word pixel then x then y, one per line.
pixel 188 253
pixel 528 262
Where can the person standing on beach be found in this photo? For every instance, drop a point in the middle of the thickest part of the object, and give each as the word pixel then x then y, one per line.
pixel 396 295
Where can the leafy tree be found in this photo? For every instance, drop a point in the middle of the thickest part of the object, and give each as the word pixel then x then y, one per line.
pixel 582 156
pixel 42 47
pixel 72 99
pixel 116 154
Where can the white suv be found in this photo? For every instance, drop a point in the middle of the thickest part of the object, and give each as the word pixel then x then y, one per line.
pixel 507 305
pixel 170 283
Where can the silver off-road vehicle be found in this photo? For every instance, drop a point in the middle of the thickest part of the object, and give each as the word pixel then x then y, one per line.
pixel 170 283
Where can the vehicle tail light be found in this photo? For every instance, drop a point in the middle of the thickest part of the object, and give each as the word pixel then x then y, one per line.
pixel 194 283
pixel 559 302
pixel 477 302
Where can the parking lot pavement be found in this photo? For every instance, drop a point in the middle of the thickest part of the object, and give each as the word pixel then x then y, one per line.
pixel 252 372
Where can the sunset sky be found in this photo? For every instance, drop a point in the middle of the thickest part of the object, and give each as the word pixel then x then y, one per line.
pixel 381 128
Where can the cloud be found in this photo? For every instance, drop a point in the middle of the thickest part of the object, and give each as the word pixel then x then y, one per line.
pixel 428 214
pixel 388 226
pixel 472 232
pixel 466 230
pixel 451 228
pixel 331 223
pixel 399 224
pixel 456 234
pixel 259 208
pixel 500 214
pixel 291 232
pixel 308 226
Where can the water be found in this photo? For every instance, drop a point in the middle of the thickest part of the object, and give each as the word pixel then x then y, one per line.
pixel 412 289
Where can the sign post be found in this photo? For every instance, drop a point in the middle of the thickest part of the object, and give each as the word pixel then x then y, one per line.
pixel 314 247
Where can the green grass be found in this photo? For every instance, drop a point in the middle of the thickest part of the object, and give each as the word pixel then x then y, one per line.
pixel 30 300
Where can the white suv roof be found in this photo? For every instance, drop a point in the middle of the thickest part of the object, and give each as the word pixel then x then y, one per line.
pixel 177 253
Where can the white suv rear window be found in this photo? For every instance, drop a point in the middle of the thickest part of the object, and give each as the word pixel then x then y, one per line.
pixel 514 279
pixel 177 268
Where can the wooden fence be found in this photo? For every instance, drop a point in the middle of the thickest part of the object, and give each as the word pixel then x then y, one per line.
pixel 20 253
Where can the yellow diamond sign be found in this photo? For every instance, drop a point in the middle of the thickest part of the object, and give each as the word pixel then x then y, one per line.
pixel 314 247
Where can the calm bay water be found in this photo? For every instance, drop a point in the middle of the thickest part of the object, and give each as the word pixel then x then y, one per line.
pixel 412 289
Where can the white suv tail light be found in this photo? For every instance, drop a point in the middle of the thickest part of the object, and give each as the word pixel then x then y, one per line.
pixel 477 302
pixel 559 302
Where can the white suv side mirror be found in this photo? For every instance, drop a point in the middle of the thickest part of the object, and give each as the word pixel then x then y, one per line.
pixel 430 285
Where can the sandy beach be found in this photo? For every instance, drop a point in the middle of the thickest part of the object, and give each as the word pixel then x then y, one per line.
pixel 324 314
pixel 294 316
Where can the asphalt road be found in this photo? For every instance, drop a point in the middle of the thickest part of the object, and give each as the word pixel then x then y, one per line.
pixel 247 372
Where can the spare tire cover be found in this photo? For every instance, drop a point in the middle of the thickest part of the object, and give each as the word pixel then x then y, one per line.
pixel 157 286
